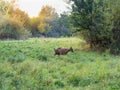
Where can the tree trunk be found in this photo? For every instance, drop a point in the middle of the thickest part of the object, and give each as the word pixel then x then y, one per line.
pixel 91 41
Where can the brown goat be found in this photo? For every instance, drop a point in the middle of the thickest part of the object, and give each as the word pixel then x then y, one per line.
pixel 62 51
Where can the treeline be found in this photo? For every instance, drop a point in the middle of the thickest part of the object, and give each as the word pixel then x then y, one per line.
pixel 16 24
pixel 49 24
pixel 98 22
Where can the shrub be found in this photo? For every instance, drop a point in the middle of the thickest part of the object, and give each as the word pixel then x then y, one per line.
pixel 11 29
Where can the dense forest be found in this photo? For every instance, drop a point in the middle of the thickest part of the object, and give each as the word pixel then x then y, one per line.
pixel 96 21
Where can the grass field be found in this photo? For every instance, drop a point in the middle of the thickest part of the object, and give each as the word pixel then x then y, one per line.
pixel 31 65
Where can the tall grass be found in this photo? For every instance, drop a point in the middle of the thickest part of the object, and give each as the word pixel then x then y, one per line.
pixel 31 65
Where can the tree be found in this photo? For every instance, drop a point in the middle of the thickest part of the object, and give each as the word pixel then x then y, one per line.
pixel 82 16
pixel 46 16
pixel 13 20
pixel 115 47
pixel 98 22
pixel 34 26
pixel 87 18
pixel 60 27
pixel 20 16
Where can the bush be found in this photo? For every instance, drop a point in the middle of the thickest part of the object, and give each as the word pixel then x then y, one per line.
pixel 24 34
pixel 11 29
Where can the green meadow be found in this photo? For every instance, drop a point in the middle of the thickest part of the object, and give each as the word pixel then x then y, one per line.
pixel 31 65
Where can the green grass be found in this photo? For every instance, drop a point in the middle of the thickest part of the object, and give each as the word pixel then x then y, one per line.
pixel 31 65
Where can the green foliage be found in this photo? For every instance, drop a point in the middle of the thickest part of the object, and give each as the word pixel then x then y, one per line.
pixel 115 47
pixel 97 22
pixel 88 18
pixel 31 64
pixel 60 27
